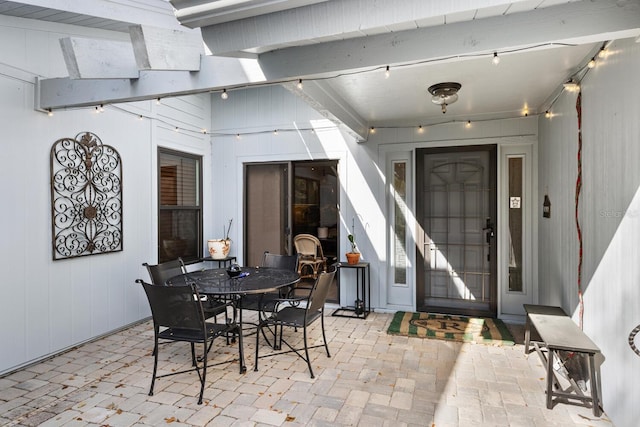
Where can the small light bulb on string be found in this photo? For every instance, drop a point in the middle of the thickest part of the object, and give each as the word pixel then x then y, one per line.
pixel 496 59
pixel 204 131
pixel 140 117
pixel 158 101
pixel 547 114
pixel 592 63
pixel 49 112
pixel 176 129
pixel 420 129
pixel 275 132
pixel 468 124
pixel 372 130
pixel 224 94
pixel 237 136
pixel 300 84
pixel 602 53
pixel 387 72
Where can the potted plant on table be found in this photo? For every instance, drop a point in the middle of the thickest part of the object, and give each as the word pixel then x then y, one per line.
pixel 353 257
pixel 219 248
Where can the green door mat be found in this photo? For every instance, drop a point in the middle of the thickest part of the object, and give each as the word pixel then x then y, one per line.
pixel 449 327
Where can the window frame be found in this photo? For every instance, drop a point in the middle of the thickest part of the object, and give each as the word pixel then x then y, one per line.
pixel 198 207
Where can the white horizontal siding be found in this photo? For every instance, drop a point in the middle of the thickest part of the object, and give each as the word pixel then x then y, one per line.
pixel 48 305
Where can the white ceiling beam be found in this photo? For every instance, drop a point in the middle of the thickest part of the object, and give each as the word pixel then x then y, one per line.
pixel 198 13
pixel 215 73
pixel 98 59
pixel 157 13
pixel 576 22
pixel 324 99
pixel 166 49
pixel 337 19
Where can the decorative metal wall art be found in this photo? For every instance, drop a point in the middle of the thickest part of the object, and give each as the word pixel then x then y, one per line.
pixel 86 197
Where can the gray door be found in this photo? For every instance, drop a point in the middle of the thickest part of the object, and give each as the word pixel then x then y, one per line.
pixel 456 215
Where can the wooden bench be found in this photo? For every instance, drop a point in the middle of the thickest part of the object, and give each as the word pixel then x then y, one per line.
pixel 558 332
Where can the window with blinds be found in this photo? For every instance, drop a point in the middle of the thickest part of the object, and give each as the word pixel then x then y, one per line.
pixel 180 206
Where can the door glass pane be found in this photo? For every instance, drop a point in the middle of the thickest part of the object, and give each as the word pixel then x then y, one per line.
pixel 315 203
pixel 266 211
pixel 400 222
pixel 515 224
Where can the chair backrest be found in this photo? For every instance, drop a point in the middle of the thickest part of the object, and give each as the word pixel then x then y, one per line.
pixel 160 273
pixel 175 306
pixel 286 262
pixel 319 292
pixel 308 245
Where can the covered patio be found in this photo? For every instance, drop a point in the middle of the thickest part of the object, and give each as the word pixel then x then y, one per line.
pixel 546 113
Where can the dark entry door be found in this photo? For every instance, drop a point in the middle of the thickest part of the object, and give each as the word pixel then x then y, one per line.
pixel 456 255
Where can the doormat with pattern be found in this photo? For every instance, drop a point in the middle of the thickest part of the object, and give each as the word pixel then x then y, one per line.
pixel 449 327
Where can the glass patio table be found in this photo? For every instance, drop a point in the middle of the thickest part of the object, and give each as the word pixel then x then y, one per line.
pixel 251 280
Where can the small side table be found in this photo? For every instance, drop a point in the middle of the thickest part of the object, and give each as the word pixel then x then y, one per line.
pixel 362 307
pixel 222 263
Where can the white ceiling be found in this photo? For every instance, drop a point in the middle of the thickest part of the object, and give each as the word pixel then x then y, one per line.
pixel 340 48
pixel 519 81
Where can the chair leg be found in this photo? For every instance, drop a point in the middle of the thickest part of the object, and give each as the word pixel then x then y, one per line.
pixel 204 370
pixel 306 352
pixel 193 354
pixel 258 332
pixel 243 367
pixel 324 337
pixel 155 365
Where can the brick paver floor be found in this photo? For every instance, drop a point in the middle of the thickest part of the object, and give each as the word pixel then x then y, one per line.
pixel 372 379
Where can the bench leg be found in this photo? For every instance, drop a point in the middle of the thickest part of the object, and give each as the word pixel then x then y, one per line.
pixel 550 378
pixel 595 389
pixel 527 335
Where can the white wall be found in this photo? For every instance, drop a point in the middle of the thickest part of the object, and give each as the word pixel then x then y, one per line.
pixel 49 306
pixel 609 215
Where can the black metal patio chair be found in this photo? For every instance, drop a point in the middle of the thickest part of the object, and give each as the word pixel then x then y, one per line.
pixel 178 315
pixel 160 273
pixel 299 313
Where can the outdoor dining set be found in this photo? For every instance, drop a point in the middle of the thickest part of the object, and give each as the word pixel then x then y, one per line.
pixel 199 306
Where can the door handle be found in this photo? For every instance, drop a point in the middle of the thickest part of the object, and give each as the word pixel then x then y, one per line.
pixel 488 229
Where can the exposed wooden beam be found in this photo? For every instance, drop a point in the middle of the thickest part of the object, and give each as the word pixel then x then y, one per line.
pixel 166 49
pixel 324 99
pixel 215 73
pixel 98 59
pixel 198 13
pixel 577 22
pixel 333 20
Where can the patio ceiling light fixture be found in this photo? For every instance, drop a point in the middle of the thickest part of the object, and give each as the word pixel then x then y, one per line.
pixel 444 94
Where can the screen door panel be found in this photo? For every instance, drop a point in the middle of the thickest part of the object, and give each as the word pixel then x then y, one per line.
pixel 457 195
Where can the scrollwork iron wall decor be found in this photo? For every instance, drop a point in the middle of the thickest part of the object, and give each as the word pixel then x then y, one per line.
pixel 86 197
